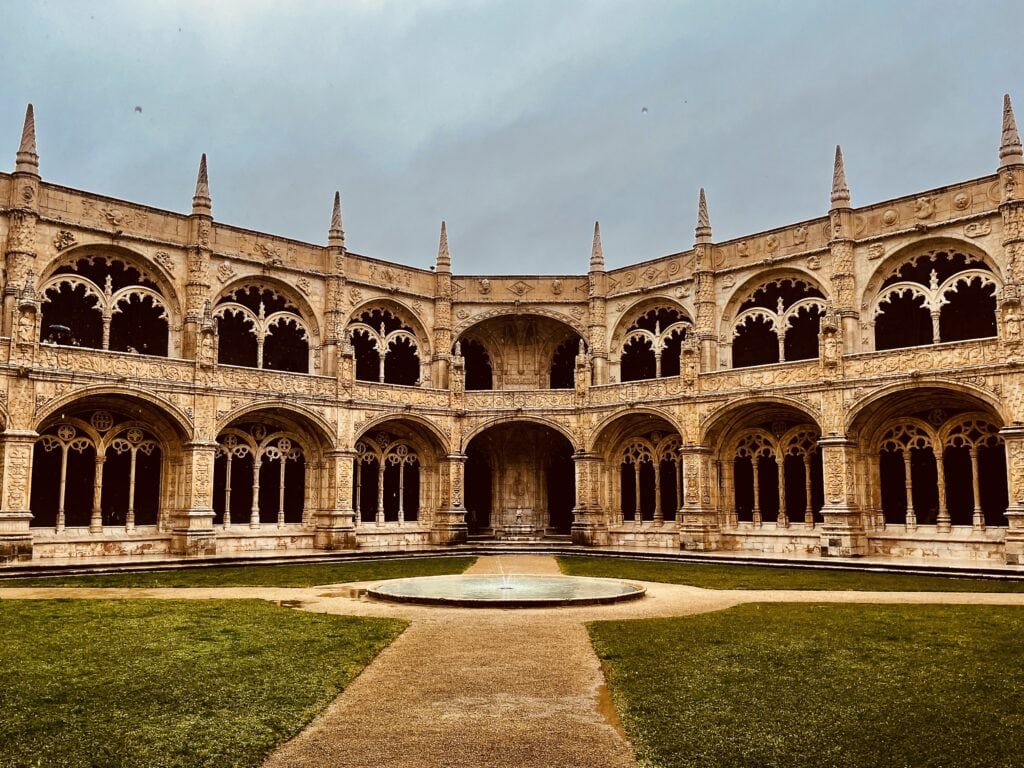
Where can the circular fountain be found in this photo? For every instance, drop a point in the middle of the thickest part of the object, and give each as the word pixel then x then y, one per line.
pixel 506 591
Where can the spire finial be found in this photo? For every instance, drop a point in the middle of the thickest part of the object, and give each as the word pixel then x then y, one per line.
pixel 201 202
pixel 840 190
pixel 596 251
pixel 1010 152
pixel 27 160
pixel 444 258
pixel 703 230
pixel 336 235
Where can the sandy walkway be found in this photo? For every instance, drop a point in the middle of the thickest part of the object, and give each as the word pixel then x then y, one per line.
pixel 485 687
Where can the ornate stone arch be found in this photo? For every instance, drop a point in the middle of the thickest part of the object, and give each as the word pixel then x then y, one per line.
pixel 716 426
pixel 859 417
pixel 321 429
pixel 509 309
pixel 442 441
pixel 532 419
pixel 638 308
pixel 306 311
pixel 176 416
pixel 146 267
pixel 599 432
pixel 746 289
pixel 404 313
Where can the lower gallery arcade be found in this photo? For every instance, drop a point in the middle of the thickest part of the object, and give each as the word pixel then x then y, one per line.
pixel 115 473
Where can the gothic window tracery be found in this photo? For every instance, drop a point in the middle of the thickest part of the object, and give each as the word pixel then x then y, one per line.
pixel 651 478
pixel 943 471
pixel 258 327
pixel 937 296
pixel 99 469
pixel 259 477
pixel 777 323
pixel 105 303
pixel 386 348
pixel 777 475
pixel 386 480
pixel 652 343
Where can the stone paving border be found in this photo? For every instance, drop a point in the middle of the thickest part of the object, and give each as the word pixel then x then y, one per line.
pixel 480 687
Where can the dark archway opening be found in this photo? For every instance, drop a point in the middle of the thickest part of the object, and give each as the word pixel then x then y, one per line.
pixel 286 348
pixel 563 364
pixel 638 360
pixel 401 364
pixel 970 312
pixel 755 343
pixel 479 374
pixel 801 342
pixel 236 340
pixel 70 307
pixel 903 322
pixel 139 325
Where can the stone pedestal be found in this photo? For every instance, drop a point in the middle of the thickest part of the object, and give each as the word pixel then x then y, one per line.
pixel 699 529
pixel 449 527
pixel 192 533
pixel 842 533
pixel 15 536
pixel 1013 544
pixel 335 529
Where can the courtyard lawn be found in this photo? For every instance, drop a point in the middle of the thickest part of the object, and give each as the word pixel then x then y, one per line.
pixel 717 576
pixel 300 575
pixel 816 686
pixel 169 683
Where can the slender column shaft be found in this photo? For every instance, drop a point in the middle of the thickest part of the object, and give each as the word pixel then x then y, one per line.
pixel 657 364
pixel 935 328
pixel 978 519
pixel 254 512
pixel 757 493
pixel 227 491
pixel 637 516
pixel 357 490
pixel 782 347
pixel 679 492
pixel 106 331
pixel 129 519
pixel 380 368
pixel 63 487
pixel 401 493
pixel 96 522
pixel 943 520
pixel 728 491
pixel 659 515
pixel 909 487
pixel 809 508
pixel 379 517
pixel 783 518
pixel 259 351
pixel 280 496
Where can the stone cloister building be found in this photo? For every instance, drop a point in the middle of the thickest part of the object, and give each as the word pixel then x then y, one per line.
pixel 845 386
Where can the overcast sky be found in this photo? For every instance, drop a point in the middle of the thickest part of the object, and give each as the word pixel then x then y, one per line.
pixel 519 122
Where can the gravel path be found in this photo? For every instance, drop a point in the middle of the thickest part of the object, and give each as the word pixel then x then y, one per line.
pixel 484 687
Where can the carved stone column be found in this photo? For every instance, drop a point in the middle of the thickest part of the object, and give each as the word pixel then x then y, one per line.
pixel 15 516
pixel 699 528
pixel 589 526
pixel 335 524
pixel 842 533
pixel 450 522
pixel 192 532
pixel 1014 542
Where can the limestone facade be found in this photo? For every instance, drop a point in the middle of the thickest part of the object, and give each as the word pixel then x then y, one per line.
pixel 846 386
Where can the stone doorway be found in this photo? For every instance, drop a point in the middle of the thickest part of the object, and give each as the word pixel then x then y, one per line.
pixel 520 482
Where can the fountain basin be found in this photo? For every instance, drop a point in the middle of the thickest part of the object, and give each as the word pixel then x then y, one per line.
pixel 509 591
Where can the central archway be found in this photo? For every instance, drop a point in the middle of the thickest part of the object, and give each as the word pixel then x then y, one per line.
pixel 519 480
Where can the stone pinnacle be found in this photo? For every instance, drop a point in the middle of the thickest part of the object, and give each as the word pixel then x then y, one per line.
pixel 444 259
pixel 27 160
pixel 840 189
pixel 336 235
pixel 1010 152
pixel 201 202
pixel 596 251
pixel 703 230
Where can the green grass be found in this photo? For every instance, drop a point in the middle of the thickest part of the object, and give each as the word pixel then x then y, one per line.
pixel 817 686
pixel 301 575
pixel 716 576
pixel 169 683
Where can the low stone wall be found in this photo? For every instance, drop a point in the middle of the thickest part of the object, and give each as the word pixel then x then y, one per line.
pixel 665 536
pixel 370 537
pixel 113 542
pixel 962 543
pixel 269 538
pixel 797 539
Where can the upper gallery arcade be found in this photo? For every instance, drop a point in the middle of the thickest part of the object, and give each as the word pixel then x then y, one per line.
pixel 845 386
